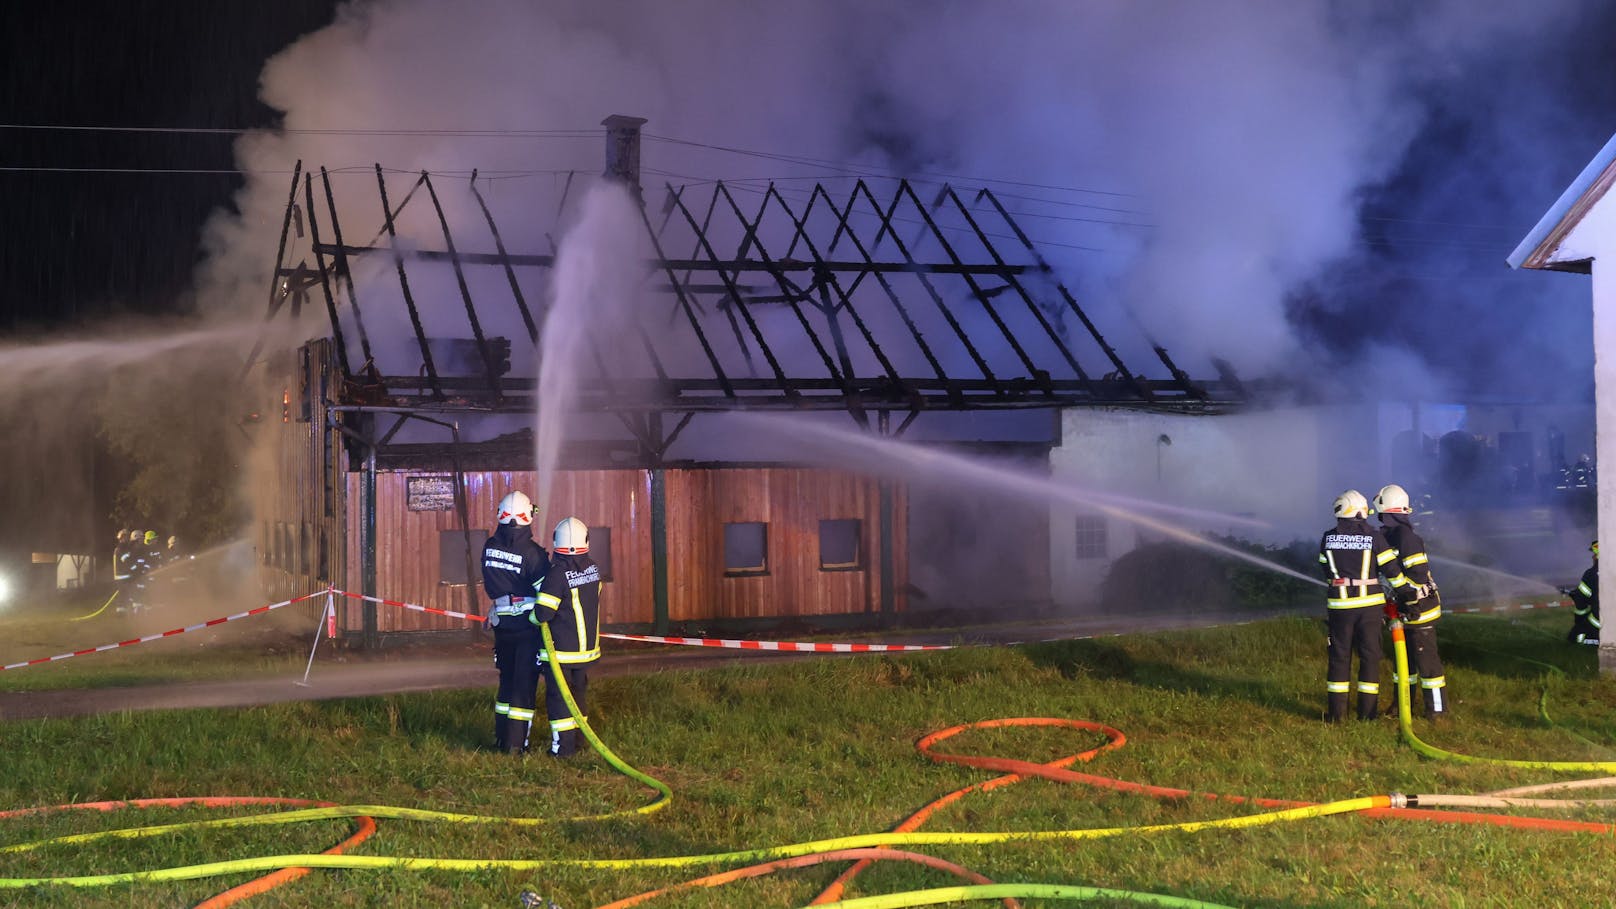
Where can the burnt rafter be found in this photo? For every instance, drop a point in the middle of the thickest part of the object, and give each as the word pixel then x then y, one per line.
pixel 864 300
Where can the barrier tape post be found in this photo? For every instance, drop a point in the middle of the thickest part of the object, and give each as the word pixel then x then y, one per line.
pixel 326 617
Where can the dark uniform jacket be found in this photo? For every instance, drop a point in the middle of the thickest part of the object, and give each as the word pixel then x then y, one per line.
pixel 513 566
pixel 1416 564
pixel 1585 605
pixel 1353 555
pixel 569 601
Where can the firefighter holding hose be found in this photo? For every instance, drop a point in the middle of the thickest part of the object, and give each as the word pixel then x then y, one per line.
pixel 1355 555
pixel 513 567
pixel 1419 614
pixel 569 602
pixel 1585 603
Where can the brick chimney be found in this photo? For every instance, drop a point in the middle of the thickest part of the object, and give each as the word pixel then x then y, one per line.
pixel 623 151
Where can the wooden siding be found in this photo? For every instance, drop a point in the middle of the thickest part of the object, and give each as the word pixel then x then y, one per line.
pixel 407 563
pixel 297 464
pixel 791 501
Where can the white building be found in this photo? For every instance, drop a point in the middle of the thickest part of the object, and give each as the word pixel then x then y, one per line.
pixel 1578 234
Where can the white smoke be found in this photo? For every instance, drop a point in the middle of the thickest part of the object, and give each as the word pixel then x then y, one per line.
pixel 1228 143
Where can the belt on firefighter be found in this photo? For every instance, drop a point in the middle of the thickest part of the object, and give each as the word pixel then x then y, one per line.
pixel 1353 582
pixel 509 605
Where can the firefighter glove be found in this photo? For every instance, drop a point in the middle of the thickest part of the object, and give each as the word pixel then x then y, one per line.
pixel 1408 610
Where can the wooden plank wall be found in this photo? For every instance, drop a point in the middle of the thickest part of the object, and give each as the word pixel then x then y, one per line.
pixel 297 465
pixel 791 501
pixel 407 564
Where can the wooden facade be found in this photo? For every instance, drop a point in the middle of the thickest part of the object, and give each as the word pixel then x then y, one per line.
pixel 310 510
pixel 297 493
pixel 789 502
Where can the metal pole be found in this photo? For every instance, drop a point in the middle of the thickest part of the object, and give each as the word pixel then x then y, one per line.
pixel 889 606
pixel 330 604
pixel 659 549
pixel 367 541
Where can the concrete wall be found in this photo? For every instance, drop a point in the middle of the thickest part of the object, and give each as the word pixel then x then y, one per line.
pixel 1279 469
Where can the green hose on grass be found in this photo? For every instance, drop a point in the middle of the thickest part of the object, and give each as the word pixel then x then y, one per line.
pixel 594 740
pixel 1405 719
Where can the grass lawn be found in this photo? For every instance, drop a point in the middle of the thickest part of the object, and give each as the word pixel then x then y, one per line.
pixel 782 753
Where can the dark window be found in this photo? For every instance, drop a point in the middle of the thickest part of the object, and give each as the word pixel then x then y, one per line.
pixel 839 544
pixel 600 549
pixel 746 548
pixel 1090 536
pixel 453 545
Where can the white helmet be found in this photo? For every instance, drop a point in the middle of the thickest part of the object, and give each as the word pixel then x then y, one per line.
pixel 516 507
pixel 1351 504
pixel 571 537
pixel 1392 498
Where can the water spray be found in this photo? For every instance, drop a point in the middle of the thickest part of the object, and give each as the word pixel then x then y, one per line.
pixel 897 459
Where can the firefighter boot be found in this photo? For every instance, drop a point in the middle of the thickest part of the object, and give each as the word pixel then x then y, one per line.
pixel 502 728
pixel 1368 705
pixel 516 736
pixel 1436 704
pixel 1336 709
pixel 564 743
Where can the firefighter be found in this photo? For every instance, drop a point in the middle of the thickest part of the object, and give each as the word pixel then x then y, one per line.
pixel 144 558
pixel 120 565
pixel 1354 555
pixel 513 566
pixel 1419 615
pixel 569 602
pixel 1585 603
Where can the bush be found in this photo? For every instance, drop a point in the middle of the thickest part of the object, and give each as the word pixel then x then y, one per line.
pixel 1173 576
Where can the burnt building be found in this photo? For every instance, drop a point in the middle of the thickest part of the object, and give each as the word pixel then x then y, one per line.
pixel 433 342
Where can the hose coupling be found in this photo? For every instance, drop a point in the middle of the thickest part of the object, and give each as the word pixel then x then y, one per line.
pixel 1399 800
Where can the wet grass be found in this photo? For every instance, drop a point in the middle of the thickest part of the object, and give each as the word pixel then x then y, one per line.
pixel 779 753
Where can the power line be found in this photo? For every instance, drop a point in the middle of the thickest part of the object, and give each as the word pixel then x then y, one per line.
pixel 237 131
pixel 350 169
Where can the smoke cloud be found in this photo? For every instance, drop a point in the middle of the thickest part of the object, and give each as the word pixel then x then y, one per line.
pixel 1192 167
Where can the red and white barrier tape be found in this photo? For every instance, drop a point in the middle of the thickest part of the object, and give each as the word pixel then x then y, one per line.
pixel 733 644
pixel 411 606
pixel 805 646
pixel 163 634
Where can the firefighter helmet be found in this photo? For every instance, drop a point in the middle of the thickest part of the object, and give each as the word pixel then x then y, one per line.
pixel 1594 548
pixel 571 537
pixel 123 534
pixel 1351 504
pixel 516 507
pixel 150 537
pixel 1392 498
pixel 173 541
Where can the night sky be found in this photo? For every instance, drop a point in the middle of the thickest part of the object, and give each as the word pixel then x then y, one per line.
pixel 82 246
pixel 79 247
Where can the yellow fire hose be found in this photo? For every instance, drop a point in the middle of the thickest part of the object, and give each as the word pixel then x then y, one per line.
pixel 1405 719
pixel 98 611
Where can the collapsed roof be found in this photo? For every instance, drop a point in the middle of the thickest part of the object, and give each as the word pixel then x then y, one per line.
pixel 870 297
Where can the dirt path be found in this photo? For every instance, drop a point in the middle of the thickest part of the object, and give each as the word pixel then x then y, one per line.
pixel 472 667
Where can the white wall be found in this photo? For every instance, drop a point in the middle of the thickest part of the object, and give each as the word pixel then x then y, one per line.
pixel 1280 467
pixel 1594 238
